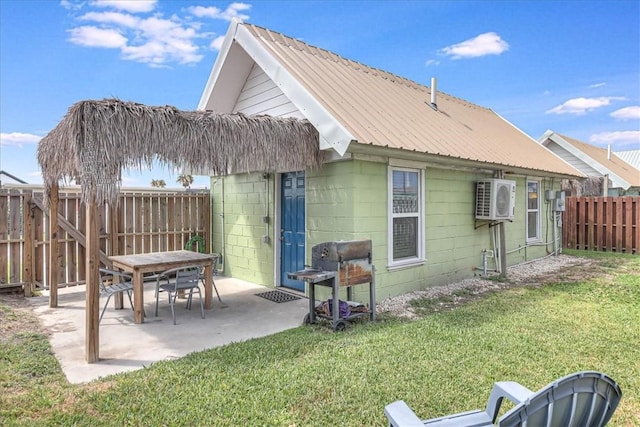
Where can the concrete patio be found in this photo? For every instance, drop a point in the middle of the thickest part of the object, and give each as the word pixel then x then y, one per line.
pixel 126 346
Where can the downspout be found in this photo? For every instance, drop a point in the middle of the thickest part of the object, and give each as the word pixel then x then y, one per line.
pixel 266 219
pixel 497 254
pixel 223 260
pixel 555 232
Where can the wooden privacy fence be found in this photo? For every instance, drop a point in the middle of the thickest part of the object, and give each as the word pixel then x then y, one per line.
pixel 143 221
pixel 602 224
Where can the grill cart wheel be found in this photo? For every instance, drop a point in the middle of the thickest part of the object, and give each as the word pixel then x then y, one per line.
pixel 340 326
pixel 307 319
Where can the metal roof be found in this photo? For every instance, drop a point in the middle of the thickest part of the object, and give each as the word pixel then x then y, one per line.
pixel 630 156
pixel 613 163
pixel 385 110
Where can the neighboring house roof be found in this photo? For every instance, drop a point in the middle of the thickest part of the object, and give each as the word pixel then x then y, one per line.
pixel 11 177
pixel 632 157
pixel 358 108
pixel 592 160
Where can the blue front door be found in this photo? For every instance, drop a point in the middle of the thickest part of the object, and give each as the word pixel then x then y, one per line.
pixel 292 228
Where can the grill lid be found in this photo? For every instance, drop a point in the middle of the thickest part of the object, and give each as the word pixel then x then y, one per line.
pixel 341 251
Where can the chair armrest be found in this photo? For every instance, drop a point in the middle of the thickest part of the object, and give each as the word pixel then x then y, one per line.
pixel 400 415
pixel 512 390
pixel 116 273
pixel 176 269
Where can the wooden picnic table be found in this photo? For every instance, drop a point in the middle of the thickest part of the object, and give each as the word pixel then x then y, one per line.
pixel 157 262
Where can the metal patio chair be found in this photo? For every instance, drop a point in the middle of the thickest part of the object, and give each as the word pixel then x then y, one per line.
pixel 186 279
pixel 582 399
pixel 109 287
pixel 213 273
pixel 199 240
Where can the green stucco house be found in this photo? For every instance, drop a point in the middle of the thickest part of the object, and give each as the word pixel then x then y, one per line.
pixel 402 167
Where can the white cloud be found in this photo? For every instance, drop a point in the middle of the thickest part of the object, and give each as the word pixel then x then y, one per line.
pixel 134 6
pixel 216 44
pixel 154 41
pixel 627 113
pixel 91 36
pixel 596 85
pixel 232 11
pixel 18 139
pixel 628 138
pixel 116 18
pixel 581 106
pixel 431 62
pixel 69 5
pixel 482 45
pixel 130 182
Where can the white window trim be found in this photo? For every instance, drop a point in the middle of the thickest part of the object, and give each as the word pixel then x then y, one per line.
pixel 420 258
pixel 538 236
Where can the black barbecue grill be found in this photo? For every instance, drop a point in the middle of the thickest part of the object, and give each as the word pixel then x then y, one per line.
pixel 339 264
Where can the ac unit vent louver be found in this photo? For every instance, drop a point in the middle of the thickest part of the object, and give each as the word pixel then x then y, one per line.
pixel 495 199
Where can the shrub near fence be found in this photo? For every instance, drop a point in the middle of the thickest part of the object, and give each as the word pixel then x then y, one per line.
pixel 602 224
pixel 143 221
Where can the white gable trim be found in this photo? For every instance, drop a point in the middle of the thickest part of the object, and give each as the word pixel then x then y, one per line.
pixel 332 133
pixel 217 67
pixel 617 182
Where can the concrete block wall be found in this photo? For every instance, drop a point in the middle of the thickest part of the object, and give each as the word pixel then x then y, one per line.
pixel 454 241
pixel 348 200
pixel 247 199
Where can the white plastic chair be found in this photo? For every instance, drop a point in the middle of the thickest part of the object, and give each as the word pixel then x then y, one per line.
pixel 582 399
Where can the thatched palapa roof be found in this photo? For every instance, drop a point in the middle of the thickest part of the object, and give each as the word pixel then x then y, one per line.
pixel 97 139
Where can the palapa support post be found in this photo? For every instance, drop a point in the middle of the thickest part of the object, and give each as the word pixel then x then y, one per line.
pixel 92 264
pixel 53 246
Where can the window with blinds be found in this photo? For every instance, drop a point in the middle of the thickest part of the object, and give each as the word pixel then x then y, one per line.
pixel 406 215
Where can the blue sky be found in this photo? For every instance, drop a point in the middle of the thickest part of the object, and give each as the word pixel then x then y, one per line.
pixel 569 66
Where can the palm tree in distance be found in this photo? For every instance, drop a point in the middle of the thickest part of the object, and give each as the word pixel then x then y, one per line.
pixel 185 180
pixel 158 183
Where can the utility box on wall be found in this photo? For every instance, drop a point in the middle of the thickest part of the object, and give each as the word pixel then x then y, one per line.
pixel 558 202
pixel 495 199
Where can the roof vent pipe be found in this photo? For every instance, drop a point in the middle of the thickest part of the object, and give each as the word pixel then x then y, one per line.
pixel 434 105
pixel 609 152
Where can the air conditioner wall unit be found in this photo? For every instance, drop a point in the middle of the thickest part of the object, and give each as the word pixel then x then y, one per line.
pixel 495 199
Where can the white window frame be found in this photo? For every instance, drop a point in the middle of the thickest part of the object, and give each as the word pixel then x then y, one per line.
pixel 420 215
pixel 537 210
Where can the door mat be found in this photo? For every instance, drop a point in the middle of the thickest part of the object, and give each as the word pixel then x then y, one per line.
pixel 278 296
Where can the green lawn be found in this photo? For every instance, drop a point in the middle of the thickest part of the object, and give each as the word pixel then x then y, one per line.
pixel 446 362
